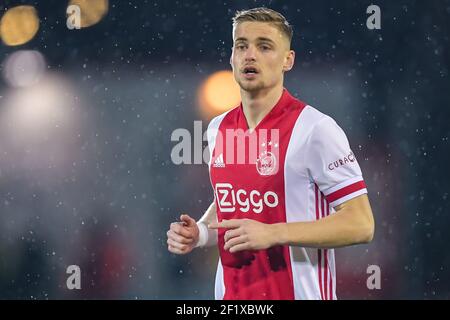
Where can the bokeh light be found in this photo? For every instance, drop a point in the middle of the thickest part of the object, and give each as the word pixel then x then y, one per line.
pixel 19 25
pixel 38 127
pixel 91 11
pixel 23 68
pixel 218 93
pixel 38 110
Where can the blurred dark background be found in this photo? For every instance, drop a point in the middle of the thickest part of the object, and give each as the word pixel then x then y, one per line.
pixel 86 117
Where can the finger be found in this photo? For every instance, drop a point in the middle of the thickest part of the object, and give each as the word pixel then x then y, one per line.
pixel 232 233
pixel 227 224
pixel 187 220
pixel 177 245
pixel 240 247
pixel 175 250
pixel 181 230
pixel 213 225
pixel 180 239
pixel 235 241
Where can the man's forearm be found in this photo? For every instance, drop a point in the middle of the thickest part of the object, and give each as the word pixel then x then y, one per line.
pixel 337 230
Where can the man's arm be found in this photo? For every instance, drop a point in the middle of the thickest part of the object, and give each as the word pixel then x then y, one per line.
pixel 187 234
pixel 352 224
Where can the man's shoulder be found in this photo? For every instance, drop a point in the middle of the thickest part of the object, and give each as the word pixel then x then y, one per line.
pixel 320 128
pixel 313 118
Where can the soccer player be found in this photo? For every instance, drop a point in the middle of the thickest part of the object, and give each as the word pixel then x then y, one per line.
pixel 277 215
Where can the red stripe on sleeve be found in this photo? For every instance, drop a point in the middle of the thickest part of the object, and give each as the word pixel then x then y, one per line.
pixel 346 191
pixel 317 201
pixel 328 208
pixel 322 198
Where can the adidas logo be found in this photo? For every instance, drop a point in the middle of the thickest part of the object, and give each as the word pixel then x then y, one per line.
pixel 218 163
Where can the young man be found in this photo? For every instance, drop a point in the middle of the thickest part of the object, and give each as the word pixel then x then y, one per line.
pixel 278 215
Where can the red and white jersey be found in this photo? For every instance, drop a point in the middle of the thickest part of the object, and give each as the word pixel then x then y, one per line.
pixel 302 167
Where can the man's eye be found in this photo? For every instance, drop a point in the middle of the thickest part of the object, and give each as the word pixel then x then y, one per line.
pixel 240 47
pixel 265 48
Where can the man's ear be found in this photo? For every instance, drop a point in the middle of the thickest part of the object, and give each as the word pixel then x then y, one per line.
pixel 289 61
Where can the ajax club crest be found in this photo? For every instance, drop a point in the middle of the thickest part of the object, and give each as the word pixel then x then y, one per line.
pixel 266 164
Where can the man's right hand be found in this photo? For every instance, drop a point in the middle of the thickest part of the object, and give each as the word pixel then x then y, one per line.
pixel 183 236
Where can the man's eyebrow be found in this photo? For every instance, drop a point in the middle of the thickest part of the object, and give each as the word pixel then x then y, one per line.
pixel 265 39
pixel 260 39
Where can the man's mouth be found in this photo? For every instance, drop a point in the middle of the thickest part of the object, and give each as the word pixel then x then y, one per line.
pixel 250 70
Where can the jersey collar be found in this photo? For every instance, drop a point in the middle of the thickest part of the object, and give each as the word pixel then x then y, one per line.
pixel 278 109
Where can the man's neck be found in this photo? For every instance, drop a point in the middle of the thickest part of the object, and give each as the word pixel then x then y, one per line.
pixel 257 105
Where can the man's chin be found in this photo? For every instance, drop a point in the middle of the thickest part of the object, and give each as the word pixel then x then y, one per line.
pixel 251 86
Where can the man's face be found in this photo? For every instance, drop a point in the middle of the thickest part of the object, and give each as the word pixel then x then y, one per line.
pixel 260 55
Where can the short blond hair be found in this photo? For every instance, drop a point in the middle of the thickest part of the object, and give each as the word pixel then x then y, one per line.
pixel 263 14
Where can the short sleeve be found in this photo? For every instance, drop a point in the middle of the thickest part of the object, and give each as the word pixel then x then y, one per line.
pixel 331 163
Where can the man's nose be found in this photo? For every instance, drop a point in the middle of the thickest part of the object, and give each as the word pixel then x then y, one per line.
pixel 250 53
